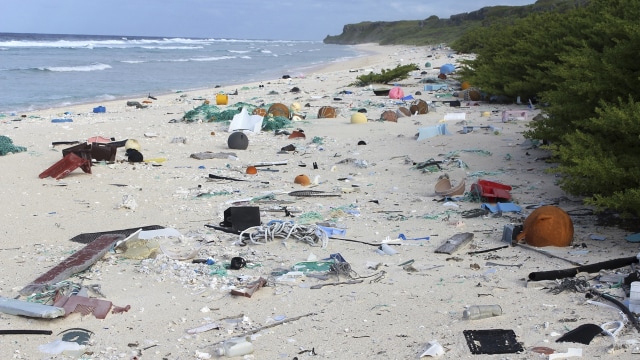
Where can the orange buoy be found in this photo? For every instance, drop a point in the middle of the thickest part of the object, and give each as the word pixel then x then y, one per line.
pixel 547 226
pixel 279 109
pixel 302 180
pixel 251 170
pixel 327 112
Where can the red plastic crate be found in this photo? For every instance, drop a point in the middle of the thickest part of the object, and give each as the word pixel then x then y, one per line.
pixel 63 167
pixel 491 191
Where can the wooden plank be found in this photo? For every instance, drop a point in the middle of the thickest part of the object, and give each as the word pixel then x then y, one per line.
pixel 454 243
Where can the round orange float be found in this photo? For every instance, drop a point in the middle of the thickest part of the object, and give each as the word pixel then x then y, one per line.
pixel 302 180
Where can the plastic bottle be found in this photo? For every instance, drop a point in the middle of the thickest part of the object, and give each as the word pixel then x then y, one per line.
pixel 476 312
pixel 235 347
pixel 634 297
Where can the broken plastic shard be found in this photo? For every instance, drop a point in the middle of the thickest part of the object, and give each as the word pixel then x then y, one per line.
pixel 571 352
pixel 203 328
pixel 60 346
pixel 79 261
pixel 433 349
pixel 128 202
pixel 84 305
pixel 583 334
pixel 135 248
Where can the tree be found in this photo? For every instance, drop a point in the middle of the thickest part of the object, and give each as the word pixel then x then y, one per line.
pixel 582 65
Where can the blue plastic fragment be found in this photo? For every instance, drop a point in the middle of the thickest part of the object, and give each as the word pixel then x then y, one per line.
pixel 337 257
pixel 403 237
pixel 502 207
pixel 333 231
pixel 634 238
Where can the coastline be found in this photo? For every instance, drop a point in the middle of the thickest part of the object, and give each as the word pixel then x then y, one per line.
pixel 98 70
pixel 404 301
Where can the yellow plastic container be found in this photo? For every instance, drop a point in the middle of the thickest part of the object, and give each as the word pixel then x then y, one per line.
pixel 222 99
pixel 358 118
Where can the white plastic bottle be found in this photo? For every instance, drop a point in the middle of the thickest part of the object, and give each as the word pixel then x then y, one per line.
pixel 235 347
pixel 476 312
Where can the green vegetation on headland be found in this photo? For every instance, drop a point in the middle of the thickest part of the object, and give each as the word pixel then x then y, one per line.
pixel 434 30
pixel 580 67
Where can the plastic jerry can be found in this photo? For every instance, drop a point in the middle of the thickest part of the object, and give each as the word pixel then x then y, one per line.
pixel 235 347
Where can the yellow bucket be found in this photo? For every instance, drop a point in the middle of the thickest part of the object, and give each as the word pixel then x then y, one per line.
pixel 222 99
pixel 486 114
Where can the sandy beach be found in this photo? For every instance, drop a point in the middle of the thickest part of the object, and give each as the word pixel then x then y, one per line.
pixel 378 306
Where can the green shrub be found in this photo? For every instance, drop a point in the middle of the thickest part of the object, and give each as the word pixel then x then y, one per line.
pixel 386 76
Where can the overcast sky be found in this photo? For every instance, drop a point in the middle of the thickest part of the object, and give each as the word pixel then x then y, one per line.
pixel 238 19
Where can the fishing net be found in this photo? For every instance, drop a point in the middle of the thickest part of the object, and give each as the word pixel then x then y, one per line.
pixel 6 146
pixel 211 113
pixel 275 123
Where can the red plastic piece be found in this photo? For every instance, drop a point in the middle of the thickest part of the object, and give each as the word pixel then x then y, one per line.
pixel 63 167
pixel 84 305
pixel 76 262
pixel 491 191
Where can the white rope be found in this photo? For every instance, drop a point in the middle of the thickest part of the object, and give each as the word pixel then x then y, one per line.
pixel 262 234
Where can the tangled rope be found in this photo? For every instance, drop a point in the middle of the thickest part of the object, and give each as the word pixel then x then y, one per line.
pixel 571 284
pixel 344 269
pixel 310 234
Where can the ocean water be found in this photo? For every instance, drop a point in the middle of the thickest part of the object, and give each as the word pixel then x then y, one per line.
pixel 40 71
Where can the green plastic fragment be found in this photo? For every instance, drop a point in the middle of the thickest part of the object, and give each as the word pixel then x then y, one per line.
pixel 313 266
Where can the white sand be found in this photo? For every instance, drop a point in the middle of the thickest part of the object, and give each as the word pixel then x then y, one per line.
pixel 392 318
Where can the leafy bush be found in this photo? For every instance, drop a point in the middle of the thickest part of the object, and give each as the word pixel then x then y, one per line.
pixel 582 66
pixel 386 76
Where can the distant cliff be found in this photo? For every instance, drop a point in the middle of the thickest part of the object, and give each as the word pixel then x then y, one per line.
pixel 434 30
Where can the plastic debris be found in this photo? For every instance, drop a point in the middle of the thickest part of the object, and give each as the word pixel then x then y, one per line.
pixel 571 352
pixel 29 309
pixel 59 346
pixel 433 349
pixel 6 146
pixel 78 261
